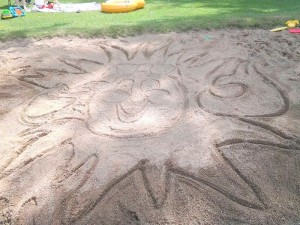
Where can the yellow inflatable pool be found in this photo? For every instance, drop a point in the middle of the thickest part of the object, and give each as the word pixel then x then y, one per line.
pixel 121 6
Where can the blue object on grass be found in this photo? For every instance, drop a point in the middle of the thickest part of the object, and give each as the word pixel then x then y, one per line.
pixel 16 11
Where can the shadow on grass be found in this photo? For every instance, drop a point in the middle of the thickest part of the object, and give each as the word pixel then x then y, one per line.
pixel 26 32
pixel 182 24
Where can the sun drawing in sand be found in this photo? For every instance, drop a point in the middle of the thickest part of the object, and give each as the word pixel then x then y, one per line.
pixel 147 95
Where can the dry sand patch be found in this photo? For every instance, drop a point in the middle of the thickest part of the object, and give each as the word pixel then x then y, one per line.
pixel 195 128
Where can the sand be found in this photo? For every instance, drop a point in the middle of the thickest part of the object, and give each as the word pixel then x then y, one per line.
pixel 191 128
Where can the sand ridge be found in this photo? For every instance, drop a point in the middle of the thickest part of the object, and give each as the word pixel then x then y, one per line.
pixel 190 128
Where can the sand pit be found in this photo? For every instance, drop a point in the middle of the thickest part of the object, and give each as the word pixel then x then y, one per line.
pixel 195 128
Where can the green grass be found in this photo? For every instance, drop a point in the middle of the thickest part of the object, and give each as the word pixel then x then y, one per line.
pixel 157 16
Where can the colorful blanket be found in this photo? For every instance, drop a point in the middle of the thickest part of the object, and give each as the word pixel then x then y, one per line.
pixel 69 7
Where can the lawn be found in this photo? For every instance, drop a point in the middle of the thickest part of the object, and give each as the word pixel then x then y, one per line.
pixel 157 16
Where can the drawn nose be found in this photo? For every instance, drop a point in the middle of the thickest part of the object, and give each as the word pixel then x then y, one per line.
pixel 125 85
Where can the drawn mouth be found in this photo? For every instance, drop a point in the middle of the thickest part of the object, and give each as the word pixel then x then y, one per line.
pixel 129 112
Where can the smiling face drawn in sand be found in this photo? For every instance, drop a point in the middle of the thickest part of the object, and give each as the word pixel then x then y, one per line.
pixel 147 101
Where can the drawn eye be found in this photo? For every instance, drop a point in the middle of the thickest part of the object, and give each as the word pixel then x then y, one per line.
pixel 161 96
pixel 149 84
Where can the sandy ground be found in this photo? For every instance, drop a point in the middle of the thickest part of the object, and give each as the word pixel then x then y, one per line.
pixel 195 128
